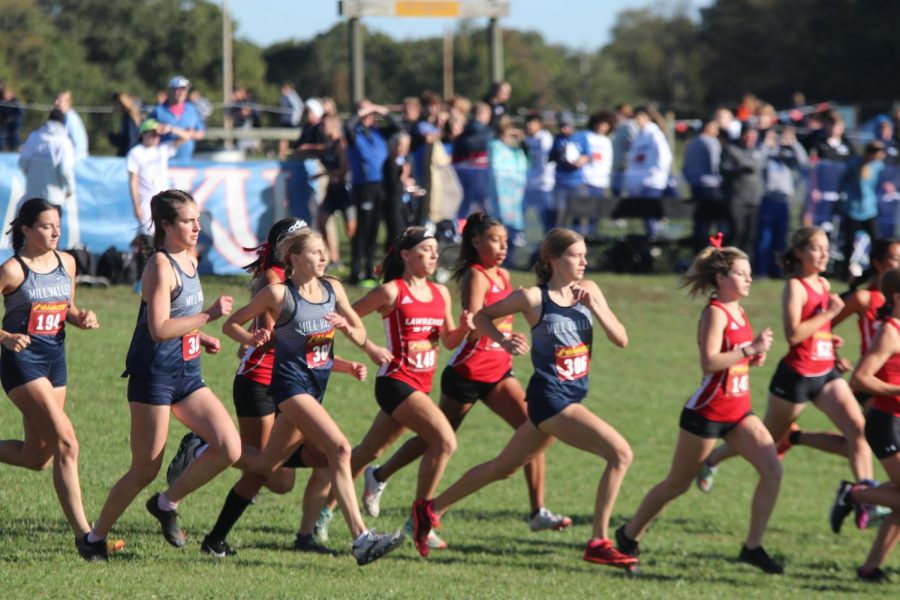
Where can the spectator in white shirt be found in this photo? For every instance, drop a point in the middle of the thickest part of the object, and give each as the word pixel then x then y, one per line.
pixel 74 124
pixel 598 170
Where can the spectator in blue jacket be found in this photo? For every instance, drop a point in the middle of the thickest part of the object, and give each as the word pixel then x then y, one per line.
pixel 570 152
pixel 702 157
pixel 860 190
pixel 180 113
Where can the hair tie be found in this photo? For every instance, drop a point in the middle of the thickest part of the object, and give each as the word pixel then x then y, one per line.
pixel 716 240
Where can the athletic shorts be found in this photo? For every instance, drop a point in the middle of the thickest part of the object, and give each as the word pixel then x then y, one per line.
pixel 466 391
pixel 543 404
pixel 251 398
pixel 882 433
pixel 162 390
pixel 337 199
pixel 862 397
pixel 390 393
pixel 18 369
pixel 692 422
pixel 797 388
pixel 287 383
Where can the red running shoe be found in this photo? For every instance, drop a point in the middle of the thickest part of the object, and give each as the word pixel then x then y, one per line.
pixel 424 520
pixel 784 444
pixel 602 552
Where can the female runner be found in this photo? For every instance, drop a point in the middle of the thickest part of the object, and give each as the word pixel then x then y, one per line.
pixel 878 374
pixel 720 408
pixel 39 298
pixel 479 369
pixel 811 371
pixel 559 311
pixel 306 310
pixel 163 369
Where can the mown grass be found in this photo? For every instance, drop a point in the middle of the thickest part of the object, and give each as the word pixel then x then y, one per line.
pixel 689 552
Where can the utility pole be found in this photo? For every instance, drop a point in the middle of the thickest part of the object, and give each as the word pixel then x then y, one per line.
pixel 357 75
pixel 227 72
pixel 448 63
pixel 495 42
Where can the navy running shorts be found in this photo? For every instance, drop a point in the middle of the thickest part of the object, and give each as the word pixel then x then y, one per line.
pixel 543 403
pixel 287 383
pixel 19 368
pixel 162 390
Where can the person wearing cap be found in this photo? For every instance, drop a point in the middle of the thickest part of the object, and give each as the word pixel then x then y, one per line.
pixel 570 152
pixel 180 113
pixel 74 125
pixel 311 142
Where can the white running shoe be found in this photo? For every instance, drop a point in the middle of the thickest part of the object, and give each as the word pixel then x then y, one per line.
pixel 371 546
pixel 545 519
pixel 434 542
pixel 187 451
pixel 320 531
pixel 706 478
pixel 372 494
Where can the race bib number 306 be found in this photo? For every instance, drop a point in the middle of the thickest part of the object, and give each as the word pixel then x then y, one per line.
pixel 190 345
pixel 318 348
pixel 573 362
pixel 47 318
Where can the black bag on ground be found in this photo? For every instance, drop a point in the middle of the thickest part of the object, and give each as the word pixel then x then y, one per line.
pixel 85 262
pixel 118 267
pixel 631 255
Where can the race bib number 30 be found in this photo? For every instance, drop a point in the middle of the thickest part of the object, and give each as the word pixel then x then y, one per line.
pixel 421 355
pixel 573 362
pixel 318 348
pixel 47 318
pixel 822 346
pixel 190 345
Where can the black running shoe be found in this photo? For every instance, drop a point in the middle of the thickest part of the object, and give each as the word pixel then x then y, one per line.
pixel 92 551
pixel 168 522
pixel 841 507
pixel 760 559
pixel 306 543
pixel 217 548
pixel 876 575
pixel 625 544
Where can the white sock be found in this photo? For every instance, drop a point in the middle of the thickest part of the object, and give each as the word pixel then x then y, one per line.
pixel 200 450
pixel 163 502
pixel 92 538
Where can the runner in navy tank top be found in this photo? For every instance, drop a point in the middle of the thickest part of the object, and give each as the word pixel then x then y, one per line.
pixel 559 311
pixel 479 369
pixel 878 374
pixel 39 299
pixel 721 405
pixel 810 372
pixel 163 369
pixel 307 309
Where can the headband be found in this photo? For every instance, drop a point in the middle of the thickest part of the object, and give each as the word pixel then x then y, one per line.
pixel 412 239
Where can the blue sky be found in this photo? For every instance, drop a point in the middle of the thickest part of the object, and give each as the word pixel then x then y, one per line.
pixel 582 24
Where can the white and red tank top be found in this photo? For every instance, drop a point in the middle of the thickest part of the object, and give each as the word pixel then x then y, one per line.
pixel 413 331
pixel 889 373
pixel 724 396
pixel 483 359
pixel 256 364
pixel 869 322
pixel 813 356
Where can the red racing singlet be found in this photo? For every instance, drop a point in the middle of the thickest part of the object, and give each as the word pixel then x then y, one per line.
pixel 482 359
pixel 813 356
pixel 413 332
pixel 869 322
pixel 889 373
pixel 257 365
pixel 724 396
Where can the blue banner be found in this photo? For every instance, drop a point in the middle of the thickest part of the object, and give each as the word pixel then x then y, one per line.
pixel 237 203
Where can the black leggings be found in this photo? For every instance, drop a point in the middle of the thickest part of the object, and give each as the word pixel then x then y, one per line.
pixel 368 199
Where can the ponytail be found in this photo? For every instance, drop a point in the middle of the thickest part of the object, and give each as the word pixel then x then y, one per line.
pixel 28 215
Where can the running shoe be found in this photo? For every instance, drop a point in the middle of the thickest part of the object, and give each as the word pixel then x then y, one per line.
pixel 625 544
pixel 784 444
pixel 187 449
pixel 92 551
pixel 168 522
pixel 877 514
pixel 707 477
pixel 305 542
pixel 424 520
pixel 320 531
pixel 841 507
pixel 217 548
pixel 371 546
pixel 434 542
pixel 372 494
pixel 875 575
pixel 113 546
pixel 545 519
pixel 601 552
pixel 760 559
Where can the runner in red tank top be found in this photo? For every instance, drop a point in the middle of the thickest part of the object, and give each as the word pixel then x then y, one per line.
pixel 479 369
pixel 878 374
pixel 811 371
pixel 417 317
pixel 720 408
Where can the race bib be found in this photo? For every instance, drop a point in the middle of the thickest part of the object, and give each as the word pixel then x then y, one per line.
pixel 822 346
pixel 572 362
pixel 737 381
pixel 190 345
pixel 47 318
pixel 505 327
pixel 318 348
pixel 421 355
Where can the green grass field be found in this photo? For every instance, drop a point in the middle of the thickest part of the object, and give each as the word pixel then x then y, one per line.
pixel 689 552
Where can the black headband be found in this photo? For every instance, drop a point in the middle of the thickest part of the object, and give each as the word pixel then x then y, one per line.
pixel 414 238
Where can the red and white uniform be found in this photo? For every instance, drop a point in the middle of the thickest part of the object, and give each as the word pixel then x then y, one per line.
pixel 869 322
pixel 724 396
pixel 256 365
pixel 889 373
pixel 413 331
pixel 482 359
pixel 813 356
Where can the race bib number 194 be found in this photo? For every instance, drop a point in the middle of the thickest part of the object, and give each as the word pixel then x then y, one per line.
pixel 47 318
